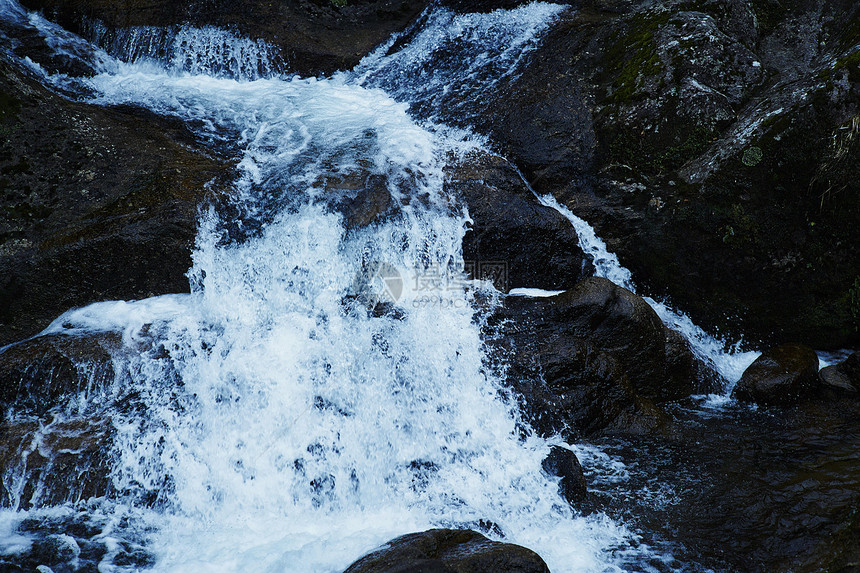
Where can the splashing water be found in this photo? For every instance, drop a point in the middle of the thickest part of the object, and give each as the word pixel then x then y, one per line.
pixel 271 420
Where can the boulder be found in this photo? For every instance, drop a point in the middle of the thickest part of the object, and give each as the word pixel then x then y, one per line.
pixel 780 376
pixel 449 551
pixel 533 245
pixel 96 204
pixel 564 464
pixel 592 359
pixel 312 36
pixel 843 377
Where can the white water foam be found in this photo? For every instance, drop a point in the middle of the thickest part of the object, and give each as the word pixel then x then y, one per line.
pixel 280 424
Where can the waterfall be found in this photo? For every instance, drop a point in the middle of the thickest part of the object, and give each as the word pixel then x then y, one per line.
pixel 298 408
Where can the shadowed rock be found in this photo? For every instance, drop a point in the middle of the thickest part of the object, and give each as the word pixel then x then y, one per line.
pixel 536 245
pixel 96 204
pixel 592 359
pixel 780 376
pixel 564 464
pixel 843 377
pixel 449 551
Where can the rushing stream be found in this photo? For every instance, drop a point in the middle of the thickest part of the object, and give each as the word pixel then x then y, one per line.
pixel 298 409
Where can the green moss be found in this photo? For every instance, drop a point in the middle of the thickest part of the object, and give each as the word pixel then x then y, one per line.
pixel 633 56
pixel 851 63
pixel 639 153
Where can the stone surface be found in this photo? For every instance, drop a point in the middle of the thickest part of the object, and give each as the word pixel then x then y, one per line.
pixel 592 359
pixel 47 372
pixel 780 376
pixel 449 551
pixel 713 144
pixel 536 245
pixel 313 36
pixel 843 377
pixel 96 204
pixel 564 464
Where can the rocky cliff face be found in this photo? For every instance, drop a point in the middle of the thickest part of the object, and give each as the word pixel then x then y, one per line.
pixel 714 145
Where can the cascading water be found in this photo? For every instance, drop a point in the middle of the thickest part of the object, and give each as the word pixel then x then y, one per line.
pixel 297 409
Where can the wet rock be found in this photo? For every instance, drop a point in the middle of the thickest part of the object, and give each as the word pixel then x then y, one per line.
pixel 40 374
pixel 843 377
pixel 96 204
pixel 513 238
pixel 54 460
pixel 592 359
pixel 713 146
pixel 314 37
pixel 780 376
pixel 449 551
pixel 563 463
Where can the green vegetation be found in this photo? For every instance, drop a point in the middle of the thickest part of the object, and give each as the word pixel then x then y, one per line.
pixel 633 56
pixel 635 151
pixel 850 63
pixel 339 3
pixel 768 13
pixel 752 156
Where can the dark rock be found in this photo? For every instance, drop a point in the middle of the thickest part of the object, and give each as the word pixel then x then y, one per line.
pixel 592 359
pixel 843 377
pixel 96 204
pixel 682 364
pixel 535 246
pixel 713 145
pixel 449 551
pixel 563 463
pixel 40 374
pixel 314 37
pixel 70 464
pixel 780 376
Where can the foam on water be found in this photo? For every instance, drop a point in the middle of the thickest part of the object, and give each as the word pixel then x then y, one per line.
pixel 276 419
pixel 729 361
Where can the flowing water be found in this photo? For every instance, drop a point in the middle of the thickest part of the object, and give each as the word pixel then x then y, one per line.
pixel 273 419
pixel 299 408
